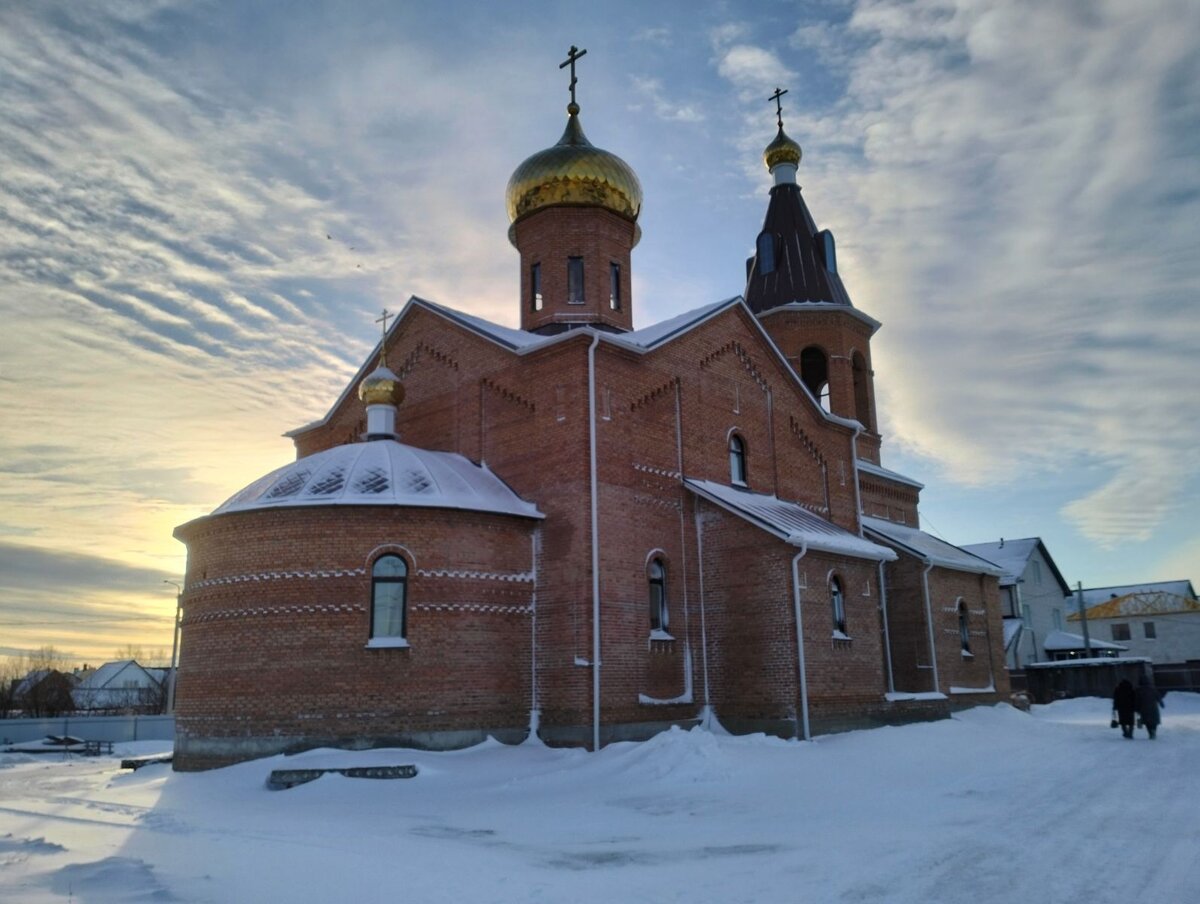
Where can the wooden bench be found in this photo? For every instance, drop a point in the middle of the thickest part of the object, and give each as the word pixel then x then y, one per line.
pixel 137 762
pixel 289 778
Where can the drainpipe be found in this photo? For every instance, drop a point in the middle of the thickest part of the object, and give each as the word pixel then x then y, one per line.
pixel 703 625
pixel 858 512
pixel 535 713
pixel 937 687
pixel 800 639
pixel 887 639
pixel 595 543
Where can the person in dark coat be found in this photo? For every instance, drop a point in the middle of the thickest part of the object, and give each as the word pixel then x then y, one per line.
pixel 1147 699
pixel 1124 704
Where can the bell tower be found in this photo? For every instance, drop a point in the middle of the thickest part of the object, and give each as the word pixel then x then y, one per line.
pixel 794 288
pixel 574 209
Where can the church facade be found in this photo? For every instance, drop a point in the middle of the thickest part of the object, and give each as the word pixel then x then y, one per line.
pixel 584 531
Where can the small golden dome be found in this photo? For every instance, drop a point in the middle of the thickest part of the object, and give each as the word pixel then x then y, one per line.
pixel 381 387
pixel 781 150
pixel 574 172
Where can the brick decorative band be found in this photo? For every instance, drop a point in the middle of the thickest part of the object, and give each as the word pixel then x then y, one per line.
pixel 266 611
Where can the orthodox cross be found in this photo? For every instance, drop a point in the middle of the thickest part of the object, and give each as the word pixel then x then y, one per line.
pixel 778 104
pixel 383 318
pixel 572 55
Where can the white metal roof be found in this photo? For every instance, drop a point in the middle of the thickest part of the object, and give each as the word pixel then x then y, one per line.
pixel 879 471
pixel 929 547
pixel 789 521
pixel 1061 640
pixel 381 472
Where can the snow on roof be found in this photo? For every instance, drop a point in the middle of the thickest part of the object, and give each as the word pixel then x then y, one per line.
pixel 1099 595
pixel 652 335
pixel 789 521
pixel 823 306
pixel 516 339
pixel 928 547
pixel 381 472
pixel 1061 640
pixel 102 676
pixel 879 471
pixel 1011 555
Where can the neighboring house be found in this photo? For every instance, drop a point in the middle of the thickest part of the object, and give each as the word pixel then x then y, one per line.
pixel 1160 621
pixel 44 692
pixel 1034 599
pixel 122 686
pixel 1061 646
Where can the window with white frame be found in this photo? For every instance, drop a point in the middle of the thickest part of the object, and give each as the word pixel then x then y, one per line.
pixel 1058 621
pixel 737 460
pixel 656 576
pixel 1120 632
pixel 837 601
pixel 389 590
pixel 1151 632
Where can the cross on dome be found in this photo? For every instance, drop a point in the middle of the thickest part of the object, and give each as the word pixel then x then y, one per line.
pixel 383 318
pixel 572 55
pixel 778 104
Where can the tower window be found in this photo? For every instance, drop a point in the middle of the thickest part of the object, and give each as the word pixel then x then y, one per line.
pixel 765 249
pixel 535 286
pixel 837 601
pixel 814 373
pixel 574 280
pixel 828 250
pixel 389 588
pixel 737 460
pixel 614 286
pixel 862 392
pixel 656 575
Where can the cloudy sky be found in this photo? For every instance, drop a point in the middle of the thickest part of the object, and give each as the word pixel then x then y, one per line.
pixel 1014 188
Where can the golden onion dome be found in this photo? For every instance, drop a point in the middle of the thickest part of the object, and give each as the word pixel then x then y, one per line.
pixel 381 387
pixel 574 173
pixel 781 150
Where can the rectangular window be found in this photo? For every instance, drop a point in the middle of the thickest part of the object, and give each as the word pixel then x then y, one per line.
pixel 1120 632
pixel 535 286
pixel 574 280
pixel 1058 622
pixel 1037 571
pixel 1151 631
pixel 614 286
pixel 1026 615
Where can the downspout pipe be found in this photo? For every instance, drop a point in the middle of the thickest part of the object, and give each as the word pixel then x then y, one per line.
pixel 800 640
pixel 887 638
pixel 595 543
pixel 937 687
pixel 858 512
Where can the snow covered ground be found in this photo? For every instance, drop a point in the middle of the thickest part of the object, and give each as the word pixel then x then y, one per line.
pixel 992 806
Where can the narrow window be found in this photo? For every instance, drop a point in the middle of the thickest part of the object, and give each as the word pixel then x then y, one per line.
pixel 964 628
pixel 737 460
pixel 1037 571
pixel 1120 632
pixel 814 373
pixel 1026 615
pixel 828 250
pixel 389 582
pixel 1151 631
pixel 657 576
pixel 614 286
pixel 765 249
pixel 1058 622
pixel 838 602
pixel 535 286
pixel 575 280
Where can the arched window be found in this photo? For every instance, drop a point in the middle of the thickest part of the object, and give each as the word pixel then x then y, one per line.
pixel 389 586
pixel 656 575
pixel 964 629
pixel 814 373
pixel 862 394
pixel 765 250
pixel 838 603
pixel 737 460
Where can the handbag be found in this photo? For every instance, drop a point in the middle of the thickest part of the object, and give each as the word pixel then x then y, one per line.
pixel 1113 724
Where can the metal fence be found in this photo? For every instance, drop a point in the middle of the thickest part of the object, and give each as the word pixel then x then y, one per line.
pixel 118 729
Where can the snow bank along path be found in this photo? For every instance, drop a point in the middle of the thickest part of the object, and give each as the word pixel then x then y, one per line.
pixel 992 806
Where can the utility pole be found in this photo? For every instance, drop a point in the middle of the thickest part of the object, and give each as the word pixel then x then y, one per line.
pixel 1087 638
pixel 174 645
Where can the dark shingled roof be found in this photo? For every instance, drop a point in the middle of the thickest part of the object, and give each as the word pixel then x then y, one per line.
pixel 800 274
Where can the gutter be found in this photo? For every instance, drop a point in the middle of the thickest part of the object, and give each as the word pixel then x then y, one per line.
pixel 887 638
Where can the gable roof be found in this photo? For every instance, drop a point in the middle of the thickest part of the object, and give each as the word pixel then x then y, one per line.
pixel 1013 556
pixel 879 471
pixel 107 673
pixel 1139 599
pixel 928 547
pixel 789 521
pixel 521 342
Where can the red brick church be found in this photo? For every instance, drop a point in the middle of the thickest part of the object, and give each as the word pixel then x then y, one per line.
pixel 586 531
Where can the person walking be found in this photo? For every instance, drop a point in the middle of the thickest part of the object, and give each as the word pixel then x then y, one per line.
pixel 1147 705
pixel 1124 704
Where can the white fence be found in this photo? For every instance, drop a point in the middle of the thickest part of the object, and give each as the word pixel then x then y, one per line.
pixel 91 728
